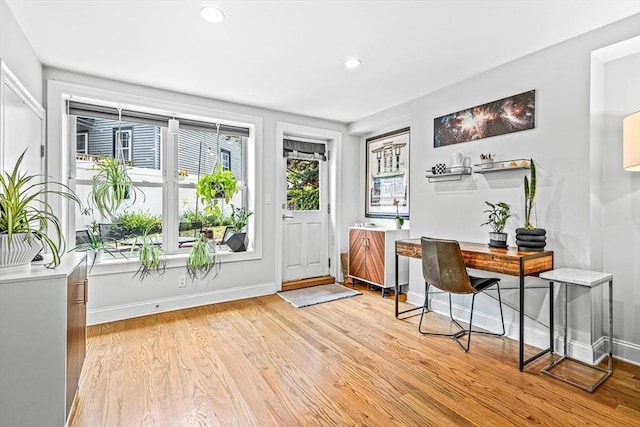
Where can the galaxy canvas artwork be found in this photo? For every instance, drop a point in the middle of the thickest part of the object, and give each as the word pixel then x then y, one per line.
pixel 506 115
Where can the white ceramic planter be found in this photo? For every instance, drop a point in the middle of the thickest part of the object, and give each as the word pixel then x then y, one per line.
pixel 22 251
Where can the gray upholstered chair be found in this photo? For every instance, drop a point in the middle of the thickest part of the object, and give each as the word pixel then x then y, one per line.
pixel 444 268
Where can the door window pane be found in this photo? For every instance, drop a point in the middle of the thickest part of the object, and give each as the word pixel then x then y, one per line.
pixel 303 185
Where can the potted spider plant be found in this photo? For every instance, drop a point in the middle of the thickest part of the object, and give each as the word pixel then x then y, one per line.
pixel 95 246
pixel 27 220
pixel 203 259
pixel 110 186
pixel 153 259
pixel 497 220
pixel 529 237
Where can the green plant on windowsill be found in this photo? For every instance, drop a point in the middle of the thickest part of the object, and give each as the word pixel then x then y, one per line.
pixel 153 259
pixel 95 248
pixel 27 220
pixel 240 218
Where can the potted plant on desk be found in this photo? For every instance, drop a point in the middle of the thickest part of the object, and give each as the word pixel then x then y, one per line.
pixel 498 216
pixel 529 237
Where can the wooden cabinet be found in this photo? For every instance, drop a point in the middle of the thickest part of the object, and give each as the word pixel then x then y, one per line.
pixel 42 342
pixel 372 256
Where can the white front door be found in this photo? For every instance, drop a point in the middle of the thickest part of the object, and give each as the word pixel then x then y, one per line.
pixel 305 219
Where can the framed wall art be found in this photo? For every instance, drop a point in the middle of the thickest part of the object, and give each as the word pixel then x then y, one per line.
pixel 387 168
pixel 506 115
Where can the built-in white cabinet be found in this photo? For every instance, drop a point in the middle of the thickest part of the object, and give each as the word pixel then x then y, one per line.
pixel 372 254
pixel 42 342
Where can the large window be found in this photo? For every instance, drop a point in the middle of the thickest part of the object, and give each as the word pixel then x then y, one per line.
pixel 164 169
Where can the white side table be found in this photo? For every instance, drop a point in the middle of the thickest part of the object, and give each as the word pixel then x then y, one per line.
pixel 589 279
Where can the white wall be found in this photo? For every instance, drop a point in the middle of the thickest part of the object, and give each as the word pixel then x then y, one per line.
pixel 18 54
pixel 560 146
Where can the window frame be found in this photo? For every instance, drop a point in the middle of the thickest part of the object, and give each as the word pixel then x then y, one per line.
pixel 61 157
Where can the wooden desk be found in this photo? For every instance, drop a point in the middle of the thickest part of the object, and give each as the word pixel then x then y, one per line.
pixel 509 261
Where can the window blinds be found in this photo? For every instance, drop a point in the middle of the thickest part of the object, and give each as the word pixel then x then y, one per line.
pixel 304 150
pixel 111 113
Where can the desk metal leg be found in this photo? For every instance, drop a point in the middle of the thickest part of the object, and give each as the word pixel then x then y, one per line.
pixel 610 364
pixel 551 333
pixel 521 332
pixel 522 361
pixel 397 286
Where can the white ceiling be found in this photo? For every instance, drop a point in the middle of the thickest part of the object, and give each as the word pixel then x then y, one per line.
pixel 288 55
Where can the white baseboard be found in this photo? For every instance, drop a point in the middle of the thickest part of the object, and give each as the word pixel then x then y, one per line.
pixel 143 308
pixel 537 337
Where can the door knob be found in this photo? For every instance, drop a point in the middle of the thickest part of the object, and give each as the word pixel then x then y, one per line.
pixel 285 216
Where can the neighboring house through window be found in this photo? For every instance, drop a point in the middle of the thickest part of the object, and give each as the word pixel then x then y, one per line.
pixel 126 143
pixel 82 143
pixel 225 159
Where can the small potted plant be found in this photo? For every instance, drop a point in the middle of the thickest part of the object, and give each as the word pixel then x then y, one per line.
pixel 218 185
pixel 497 220
pixel 529 237
pixel 203 259
pixel 238 241
pixel 110 186
pixel 153 259
pixel 27 220
pixel 398 219
pixel 95 246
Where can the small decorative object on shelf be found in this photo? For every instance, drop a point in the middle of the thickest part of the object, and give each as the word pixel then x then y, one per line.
pixel 486 161
pixel 502 166
pixel 399 220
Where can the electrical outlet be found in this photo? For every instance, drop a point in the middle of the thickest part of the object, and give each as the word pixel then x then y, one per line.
pixel 182 281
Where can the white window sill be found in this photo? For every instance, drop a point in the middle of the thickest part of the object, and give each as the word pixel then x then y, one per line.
pixel 110 265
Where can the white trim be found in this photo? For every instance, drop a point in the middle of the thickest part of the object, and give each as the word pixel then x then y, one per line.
pixel 128 311
pixel 334 144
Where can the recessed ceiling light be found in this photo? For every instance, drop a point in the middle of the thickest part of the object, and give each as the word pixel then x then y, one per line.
pixel 352 63
pixel 212 14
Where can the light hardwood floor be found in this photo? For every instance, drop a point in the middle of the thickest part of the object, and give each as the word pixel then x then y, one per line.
pixel 262 362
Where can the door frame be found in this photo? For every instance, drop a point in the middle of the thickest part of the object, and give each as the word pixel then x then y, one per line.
pixel 334 145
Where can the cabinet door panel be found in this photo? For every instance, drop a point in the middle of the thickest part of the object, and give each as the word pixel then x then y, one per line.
pixel 375 256
pixel 76 329
pixel 357 253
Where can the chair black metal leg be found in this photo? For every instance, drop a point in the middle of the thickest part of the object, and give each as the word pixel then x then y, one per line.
pixel 466 331
pixel 424 306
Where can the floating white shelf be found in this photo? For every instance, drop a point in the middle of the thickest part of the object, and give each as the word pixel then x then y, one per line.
pixel 503 166
pixel 450 175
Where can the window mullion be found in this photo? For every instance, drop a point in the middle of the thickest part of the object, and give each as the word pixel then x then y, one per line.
pixel 169 150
